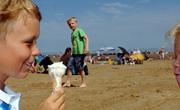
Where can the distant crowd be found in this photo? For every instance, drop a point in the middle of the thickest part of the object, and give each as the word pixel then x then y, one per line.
pixel 134 57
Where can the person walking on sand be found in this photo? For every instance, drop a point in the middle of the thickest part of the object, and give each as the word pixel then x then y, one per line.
pixel 161 53
pixel 19 31
pixel 80 46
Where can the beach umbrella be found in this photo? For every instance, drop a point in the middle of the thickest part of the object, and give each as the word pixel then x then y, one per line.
pixel 106 49
pixel 102 49
pixel 124 51
pixel 109 48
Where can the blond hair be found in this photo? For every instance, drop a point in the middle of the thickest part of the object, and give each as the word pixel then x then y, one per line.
pixel 13 10
pixel 174 30
pixel 71 18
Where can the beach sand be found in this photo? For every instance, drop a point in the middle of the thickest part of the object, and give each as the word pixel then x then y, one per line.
pixel 150 86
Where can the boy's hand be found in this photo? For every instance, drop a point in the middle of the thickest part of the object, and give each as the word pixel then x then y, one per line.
pixel 86 50
pixel 56 101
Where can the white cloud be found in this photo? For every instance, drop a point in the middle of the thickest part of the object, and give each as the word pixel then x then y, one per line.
pixel 105 30
pixel 115 8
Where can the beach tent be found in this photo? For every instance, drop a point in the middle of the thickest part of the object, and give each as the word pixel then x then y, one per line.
pixel 107 49
pixel 138 56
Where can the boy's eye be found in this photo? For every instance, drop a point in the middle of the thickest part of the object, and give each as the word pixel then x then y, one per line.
pixel 29 43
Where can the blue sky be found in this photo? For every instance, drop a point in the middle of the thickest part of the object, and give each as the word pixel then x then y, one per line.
pixel 128 23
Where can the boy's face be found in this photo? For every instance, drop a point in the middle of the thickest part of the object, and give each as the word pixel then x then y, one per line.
pixel 72 24
pixel 19 49
pixel 176 44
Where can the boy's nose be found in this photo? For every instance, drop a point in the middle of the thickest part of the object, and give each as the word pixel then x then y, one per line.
pixel 36 51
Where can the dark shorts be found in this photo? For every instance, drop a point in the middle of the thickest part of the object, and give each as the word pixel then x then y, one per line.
pixel 76 61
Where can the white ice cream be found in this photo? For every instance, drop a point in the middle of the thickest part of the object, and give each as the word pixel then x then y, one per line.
pixel 56 71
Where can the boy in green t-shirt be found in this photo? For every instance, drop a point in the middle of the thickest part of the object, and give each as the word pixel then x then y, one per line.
pixel 80 43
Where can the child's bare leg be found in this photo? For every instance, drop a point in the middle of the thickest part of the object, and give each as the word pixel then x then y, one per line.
pixel 83 82
pixel 68 81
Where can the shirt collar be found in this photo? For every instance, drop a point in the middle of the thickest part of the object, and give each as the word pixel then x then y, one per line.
pixel 8 95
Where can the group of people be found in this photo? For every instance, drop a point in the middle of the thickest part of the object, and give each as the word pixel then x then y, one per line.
pixel 73 58
pixel 19 31
pixel 135 57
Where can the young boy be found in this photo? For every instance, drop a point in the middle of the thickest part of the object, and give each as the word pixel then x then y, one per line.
pixel 19 31
pixel 176 33
pixel 80 43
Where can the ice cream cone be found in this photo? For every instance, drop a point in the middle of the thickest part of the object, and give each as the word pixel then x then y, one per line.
pixel 56 71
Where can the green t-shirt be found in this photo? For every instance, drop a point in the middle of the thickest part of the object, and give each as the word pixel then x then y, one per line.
pixel 78 41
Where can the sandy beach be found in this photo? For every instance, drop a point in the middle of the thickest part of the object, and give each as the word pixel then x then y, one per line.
pixel 150 86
